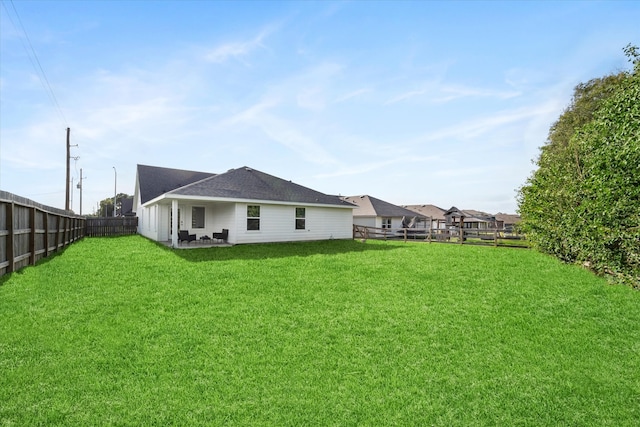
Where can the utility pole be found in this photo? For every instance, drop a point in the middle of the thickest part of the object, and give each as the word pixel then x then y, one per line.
pixel 66 200
pixel 80 188
pixel 68 192
pixel 115 184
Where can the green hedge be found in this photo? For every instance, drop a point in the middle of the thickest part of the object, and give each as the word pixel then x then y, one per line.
pixel 582 204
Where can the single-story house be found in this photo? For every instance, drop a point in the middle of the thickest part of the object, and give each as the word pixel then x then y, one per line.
pixel 470 218
pixel 431 212
pixel 372 212
pixel 507 222
pixel 253 206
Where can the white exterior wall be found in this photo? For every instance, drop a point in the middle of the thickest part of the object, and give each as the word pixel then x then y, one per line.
pixel 277 224
pixel 370 221
pixel 164 222
pixel 396 222
pixel 148 221
pixel 220 216
pixel 365 221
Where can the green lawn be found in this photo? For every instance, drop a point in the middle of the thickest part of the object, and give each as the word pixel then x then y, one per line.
pixel 122 331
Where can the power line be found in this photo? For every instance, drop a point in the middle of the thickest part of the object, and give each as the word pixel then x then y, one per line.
pixel 42 76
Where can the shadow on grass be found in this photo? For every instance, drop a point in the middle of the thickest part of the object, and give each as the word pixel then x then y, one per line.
pixel 278 250
pixel 54 254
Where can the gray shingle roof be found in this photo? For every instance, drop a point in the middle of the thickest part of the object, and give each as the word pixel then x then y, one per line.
pixel 155 181
pixel 250 184
pixel 432 211
pixel 370 206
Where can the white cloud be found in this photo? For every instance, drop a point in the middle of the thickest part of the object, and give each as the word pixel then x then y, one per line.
pixel 479 126
pixel 363 168
pixel 284 132
pixel 236 50
pixel 406 95
pixel 311 98
pixel 441 93
pixel 354 94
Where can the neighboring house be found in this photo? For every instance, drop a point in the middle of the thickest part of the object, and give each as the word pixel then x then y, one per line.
pixel 255 207
pixel 126 207
pixel 372 212
pixel 507 222
pixel 431 212
pixel 469 218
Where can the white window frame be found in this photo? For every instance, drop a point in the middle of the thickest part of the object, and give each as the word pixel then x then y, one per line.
pixel 300 221
pixel 253 219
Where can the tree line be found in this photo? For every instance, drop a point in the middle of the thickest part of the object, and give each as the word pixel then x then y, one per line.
pixel 105 207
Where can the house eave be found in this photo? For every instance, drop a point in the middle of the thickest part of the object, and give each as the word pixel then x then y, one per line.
pixel 206 199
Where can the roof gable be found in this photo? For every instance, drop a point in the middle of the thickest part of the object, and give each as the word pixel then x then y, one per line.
pixel 251 184
pixel 155 181
pixel 370 206
pixel 432 211
pixel 469 215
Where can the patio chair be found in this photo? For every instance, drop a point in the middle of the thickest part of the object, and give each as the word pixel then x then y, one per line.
pixel 222 236
pixel 184 236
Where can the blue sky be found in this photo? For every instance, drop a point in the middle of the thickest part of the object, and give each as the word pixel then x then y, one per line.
pixel 416 102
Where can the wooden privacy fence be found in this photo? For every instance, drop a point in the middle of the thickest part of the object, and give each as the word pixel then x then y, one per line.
pixel 469 236
pixel 111 226
pixel 30 231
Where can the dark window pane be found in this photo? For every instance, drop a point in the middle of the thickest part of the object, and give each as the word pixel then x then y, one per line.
pixel 253 211
pixel 197 217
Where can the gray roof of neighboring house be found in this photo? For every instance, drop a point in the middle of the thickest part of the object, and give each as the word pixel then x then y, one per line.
pixel 126 206
pixel 251 184
pixel 155 181
pixel 508 218
pixel 431 211
pixel 370 206
pixel 470 214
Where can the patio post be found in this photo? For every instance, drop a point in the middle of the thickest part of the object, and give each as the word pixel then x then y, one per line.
pixel 174 223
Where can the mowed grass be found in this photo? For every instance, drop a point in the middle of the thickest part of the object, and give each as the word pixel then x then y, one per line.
pixel 122 331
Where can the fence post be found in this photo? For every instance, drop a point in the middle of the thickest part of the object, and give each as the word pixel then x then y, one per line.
pixel 32 236
pixel 10 238
pixel 46 234
pixel 58 219
pixel 495 237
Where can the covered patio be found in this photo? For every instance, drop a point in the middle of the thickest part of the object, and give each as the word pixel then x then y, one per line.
pixel 197 244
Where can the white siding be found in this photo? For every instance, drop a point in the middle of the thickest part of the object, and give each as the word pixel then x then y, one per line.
pixel 148 221
pixel 164 222
pixel 365 221
pixel 396 222
pixel 277 224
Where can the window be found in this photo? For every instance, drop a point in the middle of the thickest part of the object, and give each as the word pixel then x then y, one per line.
pixel 300 219
pixel 386 222
pixel 197 217
pixel 253 217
